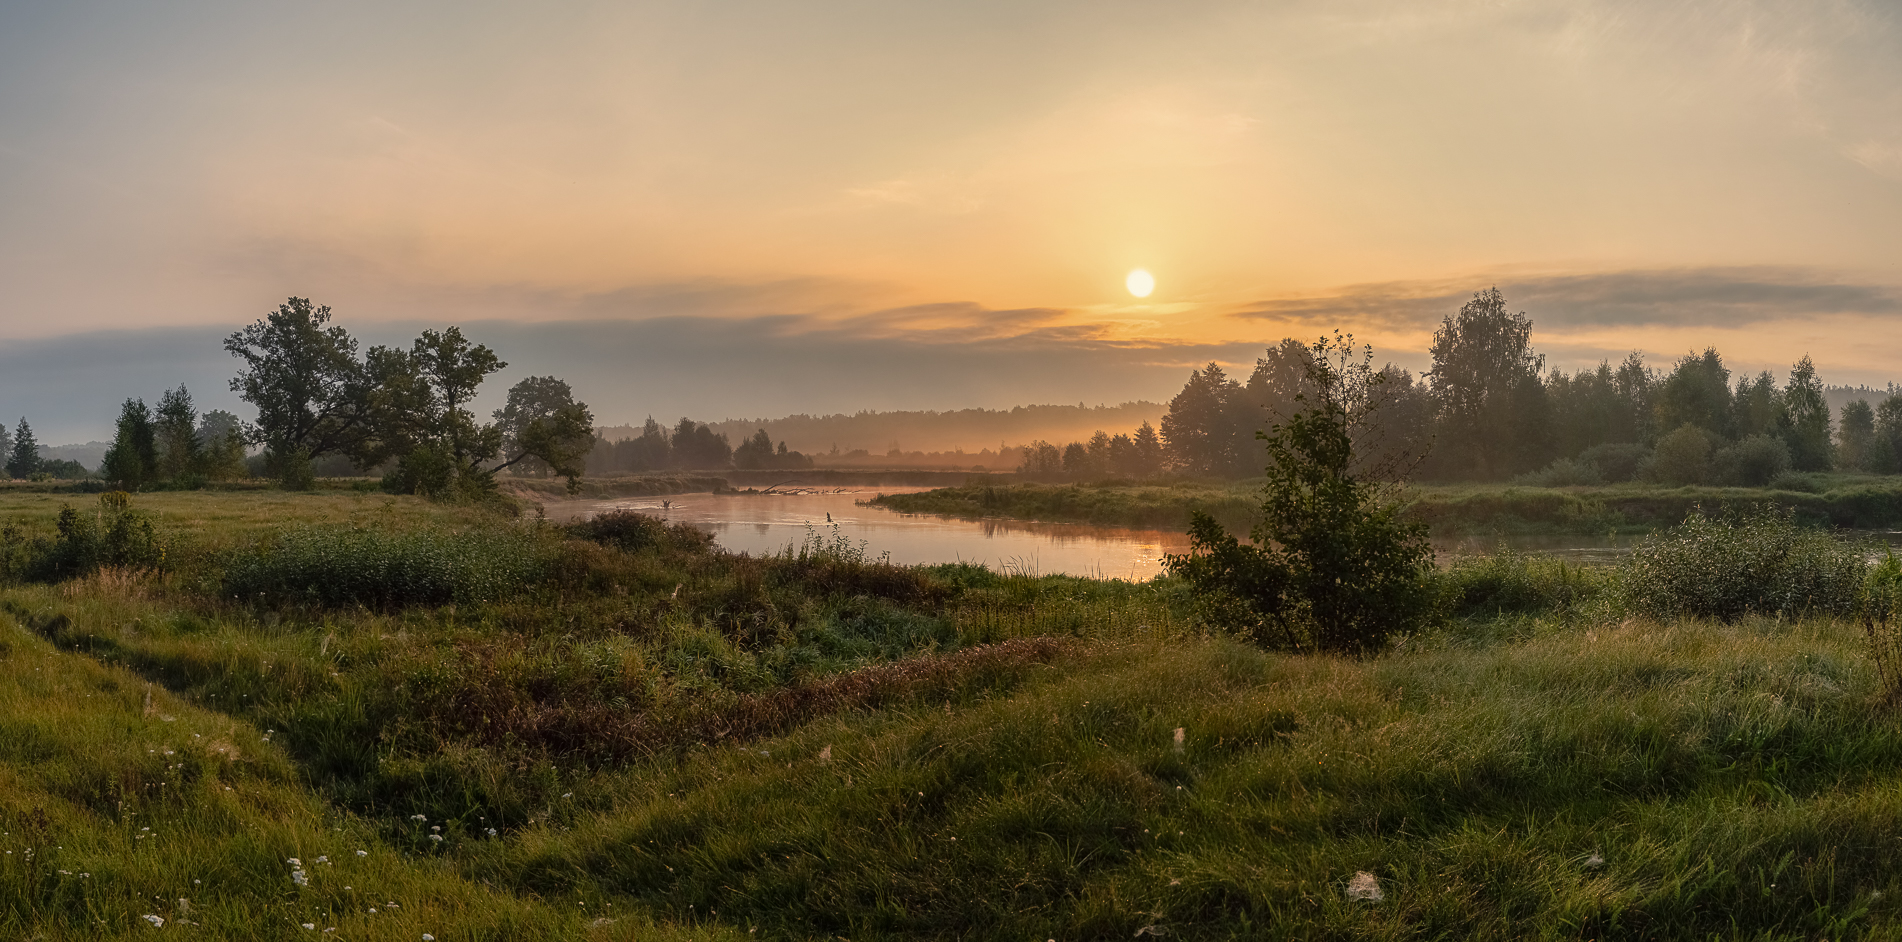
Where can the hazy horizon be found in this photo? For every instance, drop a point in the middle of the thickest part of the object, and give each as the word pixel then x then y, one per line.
pixel 758 209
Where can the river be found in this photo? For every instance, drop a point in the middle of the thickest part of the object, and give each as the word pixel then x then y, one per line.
pixel 769 523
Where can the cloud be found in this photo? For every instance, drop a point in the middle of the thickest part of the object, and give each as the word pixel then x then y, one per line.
pixel 1726 296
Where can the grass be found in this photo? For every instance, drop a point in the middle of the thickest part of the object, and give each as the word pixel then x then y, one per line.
pixel 670 742
pixel 1852 501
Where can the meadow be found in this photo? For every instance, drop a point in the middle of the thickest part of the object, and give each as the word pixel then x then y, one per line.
pixel 349 715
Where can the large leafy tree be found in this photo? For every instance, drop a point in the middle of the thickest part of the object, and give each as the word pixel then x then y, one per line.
pixel 544 429
pixel 1485 382
pixel 304 378
pixel 1698 393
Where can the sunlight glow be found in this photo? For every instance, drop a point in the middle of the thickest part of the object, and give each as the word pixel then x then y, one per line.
pixel 1140 283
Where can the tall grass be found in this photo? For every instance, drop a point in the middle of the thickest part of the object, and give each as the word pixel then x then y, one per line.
pixel 385 570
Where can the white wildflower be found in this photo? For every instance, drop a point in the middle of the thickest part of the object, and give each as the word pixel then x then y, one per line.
pixel 436 837
pixel 310 925
pixel 1365 886
pixel 293 861
pixel 1594 861
pixel 156 921
pixel 323 859
pixel 418 817
pixel 300 878
pixel 363 853
pixel 491 832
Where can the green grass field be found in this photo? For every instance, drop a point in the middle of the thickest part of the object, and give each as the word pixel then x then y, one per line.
pixel 624 734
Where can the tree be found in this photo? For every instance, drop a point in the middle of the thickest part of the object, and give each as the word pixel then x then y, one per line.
pixel 1485 380
pixel 1076 459
pixel 697 447
pixel 1332 566
pixel 1757 407
pixel 24 459
pixel 1855 435
pixel 1146 448
pixel 221 444
pixel 1697 393
pixel 452 369
pixel 544 428
pixel 311 393
pixel 1041 457
pixel 176 431
pixel 132 460
pixel 1198 433
pixel 1806 427
pixel 754 453
pixel 1885 452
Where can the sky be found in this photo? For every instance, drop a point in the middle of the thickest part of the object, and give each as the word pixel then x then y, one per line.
pixel 760 208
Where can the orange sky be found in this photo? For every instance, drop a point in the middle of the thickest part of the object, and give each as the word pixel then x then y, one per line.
pixel 1634 175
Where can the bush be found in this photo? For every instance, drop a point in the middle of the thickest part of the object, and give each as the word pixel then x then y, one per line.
pixel 634 532
pixel 1757 562
pixel 382 570
pixel 1617 462
pixel 1682 457
pixel 115 535
pixel 1565 472
pixel 1753 462
pixel 1333 566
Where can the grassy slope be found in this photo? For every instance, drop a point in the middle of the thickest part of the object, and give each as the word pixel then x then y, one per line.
pixel 1865 503
pixel 1733 780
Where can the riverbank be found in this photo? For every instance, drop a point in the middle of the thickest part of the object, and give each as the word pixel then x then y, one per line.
pixel 1449 510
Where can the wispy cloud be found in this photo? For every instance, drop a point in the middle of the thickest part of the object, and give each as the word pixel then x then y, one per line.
pixel 1727 296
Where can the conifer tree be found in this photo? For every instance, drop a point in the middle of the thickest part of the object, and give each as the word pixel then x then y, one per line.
pixel 25 457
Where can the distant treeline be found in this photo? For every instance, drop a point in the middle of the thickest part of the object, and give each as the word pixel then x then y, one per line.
pixel 907 433
pixel 1489 410
pixel 689 445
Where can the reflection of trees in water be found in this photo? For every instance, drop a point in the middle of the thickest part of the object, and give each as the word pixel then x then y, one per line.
pixel 1069 533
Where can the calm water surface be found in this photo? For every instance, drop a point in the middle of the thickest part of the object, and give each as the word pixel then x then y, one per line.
pixel 768 523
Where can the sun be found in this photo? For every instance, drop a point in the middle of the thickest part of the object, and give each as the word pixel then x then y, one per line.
pixel 1140 283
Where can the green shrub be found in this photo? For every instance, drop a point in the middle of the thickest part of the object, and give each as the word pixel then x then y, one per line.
pixel 1755 562
pixel 1616 462
pixel 1681 457
pixel 82 544
pixel 634 532
pixel 384 570
pixel 1333 567
pixel 1753 462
